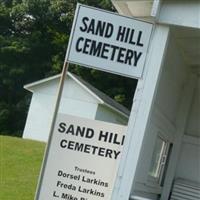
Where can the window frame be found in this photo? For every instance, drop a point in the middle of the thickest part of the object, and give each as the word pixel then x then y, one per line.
pixel 163 161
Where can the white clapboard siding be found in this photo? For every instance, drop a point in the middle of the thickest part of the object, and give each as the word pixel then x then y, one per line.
pixel 185 190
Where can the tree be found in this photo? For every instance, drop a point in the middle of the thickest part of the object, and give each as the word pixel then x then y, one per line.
pixel 33 41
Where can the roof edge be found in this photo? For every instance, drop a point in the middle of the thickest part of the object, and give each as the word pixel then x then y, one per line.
pixel 117 110
pixel 30 86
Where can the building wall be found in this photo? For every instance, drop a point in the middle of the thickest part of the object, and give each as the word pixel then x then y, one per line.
pixel 39 116
pixel 163 117
pixel 189 161
pixel 178 12
pixel 193 124
pixel 174 76
pixel 71 89
pixel 75 101
pixel 105 114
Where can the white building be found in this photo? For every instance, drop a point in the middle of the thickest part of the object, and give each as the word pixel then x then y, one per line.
pixel 79 98
pixel 161 158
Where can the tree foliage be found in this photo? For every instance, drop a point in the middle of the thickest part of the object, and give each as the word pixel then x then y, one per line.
pixel 33 39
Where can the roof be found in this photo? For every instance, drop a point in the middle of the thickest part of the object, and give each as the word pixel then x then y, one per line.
pixel 100 96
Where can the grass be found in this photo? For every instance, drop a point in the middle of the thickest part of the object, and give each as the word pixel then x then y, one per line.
pixel 20 162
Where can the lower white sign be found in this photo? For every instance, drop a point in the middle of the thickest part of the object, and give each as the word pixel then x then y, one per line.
pixel 82 160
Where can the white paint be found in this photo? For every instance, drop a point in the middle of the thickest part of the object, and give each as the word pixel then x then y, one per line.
pixel 71 90
pixel 188 166
pixel 139 8
pixel 193 124
pixel 184 189
pixel 181 120
pixel 172 114
pixel 144 162
pixel 181 13
pixel 155 10
pixel 163 116
pixel 105 114
pixel 121 7
pixel 76 100
pixel 160 120
pixel 191 140
pixel 141 110
pixel 142 8
pixel 170 94
pixel 37 126
pixel 63 155
pixel 174 12
pixel 182 16
pixel 40 114
pixel 171 83
pixel 164 113
pixel 159 125
pixel 112 60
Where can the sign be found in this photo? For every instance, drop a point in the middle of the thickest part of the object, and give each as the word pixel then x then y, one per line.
pixel 108 42
pixel 82 160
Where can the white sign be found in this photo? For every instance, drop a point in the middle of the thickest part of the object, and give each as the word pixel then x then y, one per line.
pixel 83 159
pixel 108 42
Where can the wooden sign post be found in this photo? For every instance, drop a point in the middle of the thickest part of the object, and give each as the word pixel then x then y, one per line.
pixel 56 107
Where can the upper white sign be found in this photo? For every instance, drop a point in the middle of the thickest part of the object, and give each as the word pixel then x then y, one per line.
pixel 108 42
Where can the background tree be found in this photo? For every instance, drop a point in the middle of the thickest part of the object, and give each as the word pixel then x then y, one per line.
pixel 33 40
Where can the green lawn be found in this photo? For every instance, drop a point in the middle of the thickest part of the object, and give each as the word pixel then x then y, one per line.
pixel 20 162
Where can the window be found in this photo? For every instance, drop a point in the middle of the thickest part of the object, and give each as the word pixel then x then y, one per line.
pixel 159 160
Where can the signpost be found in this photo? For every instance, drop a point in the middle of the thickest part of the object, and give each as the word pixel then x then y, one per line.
pixel 83 159
pixel 109 42
pixel 77 148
